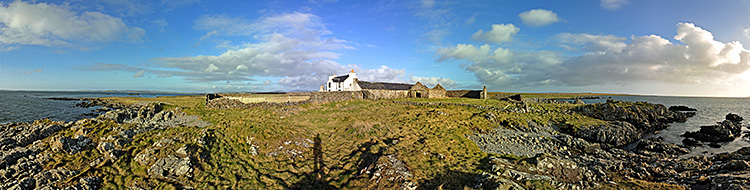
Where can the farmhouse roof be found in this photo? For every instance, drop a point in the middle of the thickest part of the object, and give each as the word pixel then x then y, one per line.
pixel 384 85
pixel 341 78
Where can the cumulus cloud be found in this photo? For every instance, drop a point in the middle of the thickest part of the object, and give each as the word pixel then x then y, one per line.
pixel 612 4
pixel 607 60
pixel 538 17
pixel 294 48
pixel 22 23
pixel 430 82
pixel 500 33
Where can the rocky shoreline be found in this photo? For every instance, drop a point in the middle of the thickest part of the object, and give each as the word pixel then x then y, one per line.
pixel 592 155
pixel 585 157
pixel 27 148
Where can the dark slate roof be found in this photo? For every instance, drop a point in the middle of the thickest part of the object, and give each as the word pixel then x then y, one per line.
pixel 384 85
pixel 340 78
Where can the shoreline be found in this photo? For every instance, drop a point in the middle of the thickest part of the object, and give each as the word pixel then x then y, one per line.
pixel 537 151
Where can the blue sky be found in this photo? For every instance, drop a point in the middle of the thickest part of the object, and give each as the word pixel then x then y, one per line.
pixel 668 47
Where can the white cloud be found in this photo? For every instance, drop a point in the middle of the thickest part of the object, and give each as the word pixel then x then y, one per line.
pixel 500 33
pixel 538 17
pixel 139 73
pixel 295 48
pixel 594 43
pixel 430 82
pixel 612 4
pixel 746 32
pixel 610 60
pixel 45 24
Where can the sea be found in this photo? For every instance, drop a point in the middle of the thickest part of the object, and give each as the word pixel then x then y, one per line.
pixel 28 106
pixel 711 110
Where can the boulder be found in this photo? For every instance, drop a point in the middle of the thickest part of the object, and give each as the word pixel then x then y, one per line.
pixel 170 167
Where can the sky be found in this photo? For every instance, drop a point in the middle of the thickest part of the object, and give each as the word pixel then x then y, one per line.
pixel 666 47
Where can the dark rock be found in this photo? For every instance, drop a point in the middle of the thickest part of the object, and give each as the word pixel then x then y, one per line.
pixel 726 130
pixel 641 118
pixel 691 142
pixel 733 118
pixel 681 108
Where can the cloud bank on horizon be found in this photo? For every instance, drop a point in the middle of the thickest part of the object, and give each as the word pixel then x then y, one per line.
pixel 524 47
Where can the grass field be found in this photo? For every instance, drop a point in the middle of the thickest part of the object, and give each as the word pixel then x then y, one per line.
pixel 325 145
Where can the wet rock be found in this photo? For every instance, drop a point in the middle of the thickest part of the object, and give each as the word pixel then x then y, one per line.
pixel 681 108
pixel 170 167
pixel 691 142
pixel 726 130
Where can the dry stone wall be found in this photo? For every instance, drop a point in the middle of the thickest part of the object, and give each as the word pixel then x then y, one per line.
pixel 464 94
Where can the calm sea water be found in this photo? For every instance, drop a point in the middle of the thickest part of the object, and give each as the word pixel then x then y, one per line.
pixel 27 106
pixel 710 111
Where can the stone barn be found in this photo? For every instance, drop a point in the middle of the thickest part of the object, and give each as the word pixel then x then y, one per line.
pixel 419 91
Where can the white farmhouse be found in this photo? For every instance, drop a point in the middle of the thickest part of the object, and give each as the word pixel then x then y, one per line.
pixel 346 82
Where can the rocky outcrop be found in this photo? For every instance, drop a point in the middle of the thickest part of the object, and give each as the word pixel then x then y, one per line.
pixel 628 121
pixel 70 145
pixel 171 167
pixel 727 130
pixel 617 133
pixel 153 116
pixel 390 170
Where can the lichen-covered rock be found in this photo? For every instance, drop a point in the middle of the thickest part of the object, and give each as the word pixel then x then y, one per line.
pixel 170 167
pixel 617 133
pixel 70 145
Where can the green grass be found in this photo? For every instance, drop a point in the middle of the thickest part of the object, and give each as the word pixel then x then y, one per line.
pixel 348 135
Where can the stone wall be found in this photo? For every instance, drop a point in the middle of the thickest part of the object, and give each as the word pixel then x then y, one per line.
pixel 437 93
pixel 333 96
pixel 464 94
pixel 372 94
